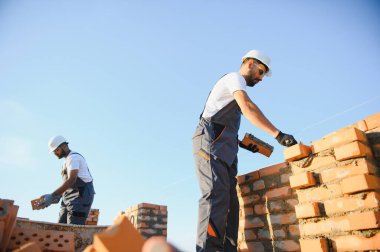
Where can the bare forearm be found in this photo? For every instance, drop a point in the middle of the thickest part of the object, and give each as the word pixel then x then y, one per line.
pixel 66 185
pixel 257 118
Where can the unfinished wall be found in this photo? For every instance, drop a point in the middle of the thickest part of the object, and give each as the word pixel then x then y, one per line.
pixel 330 201
pixel 149 219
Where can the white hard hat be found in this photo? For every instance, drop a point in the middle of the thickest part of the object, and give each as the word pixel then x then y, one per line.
pixel 255 54
pixel 56 141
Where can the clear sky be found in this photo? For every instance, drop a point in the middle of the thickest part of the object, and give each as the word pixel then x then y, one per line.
pixel 125 81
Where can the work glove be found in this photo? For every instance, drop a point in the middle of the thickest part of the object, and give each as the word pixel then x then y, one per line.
pixel 49 199
pixel 250 147
pixel 285 139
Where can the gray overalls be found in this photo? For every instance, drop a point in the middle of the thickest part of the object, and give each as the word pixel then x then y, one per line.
pixel 76 201
pixel 215 148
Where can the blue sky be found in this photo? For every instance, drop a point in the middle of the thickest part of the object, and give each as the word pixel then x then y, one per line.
pixel 125 82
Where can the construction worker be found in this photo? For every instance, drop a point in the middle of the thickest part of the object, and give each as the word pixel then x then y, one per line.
pixel 215 148
pixel 77 190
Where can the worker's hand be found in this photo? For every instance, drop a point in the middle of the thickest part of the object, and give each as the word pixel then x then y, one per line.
pixel 285 139
pixel 49 199
pixel 250 147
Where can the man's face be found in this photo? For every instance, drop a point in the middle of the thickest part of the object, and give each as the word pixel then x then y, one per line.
pixel 60 152
pixel 256 74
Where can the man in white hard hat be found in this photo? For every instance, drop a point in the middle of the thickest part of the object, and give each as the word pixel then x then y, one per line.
pixel 215 148
pixel 77 190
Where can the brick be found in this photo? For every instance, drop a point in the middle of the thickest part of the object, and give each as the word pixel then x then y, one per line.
pixel 354 221
pixel 264 234
pixel 251 246
pixel 276 206
pixel 249 234
pixel 251 222
pixel 361 125
pixel 249 200
pixel 29 247
pixel 296 152
pixel 319 193
pixel 287 245
pixel 360 183
pixel 50 240
pixel 9 221
pixel 258 185
pixel 278 193
pixel 356 243
pixel 284 178
pixel 314 245
pixel 352 203
pixel 292 202
pixel 252 176
pixel 362 166
pixel 147 205
pixel 316 162
pixel 244 189
pixel 260 209
pixel 373 121
pixel 294 230
pixel 307 210
pixel 121 234
pixel 89 249
pixel 281 219
pixel 376 150
pixel 245 211
pixel 302 180
pixel 273 169
pixel 340 137
pixel 352 150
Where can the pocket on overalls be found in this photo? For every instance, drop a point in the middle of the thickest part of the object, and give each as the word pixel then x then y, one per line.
pixel 218 130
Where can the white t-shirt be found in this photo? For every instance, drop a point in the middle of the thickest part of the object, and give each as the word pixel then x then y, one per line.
pixel 222 93
pixel 77 162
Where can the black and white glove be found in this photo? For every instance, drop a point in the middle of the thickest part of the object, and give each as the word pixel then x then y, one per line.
pixel 285 139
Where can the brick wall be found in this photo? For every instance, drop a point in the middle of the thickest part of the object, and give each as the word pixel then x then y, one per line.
pixel 324 198
pixel 267 218
pixel 149 219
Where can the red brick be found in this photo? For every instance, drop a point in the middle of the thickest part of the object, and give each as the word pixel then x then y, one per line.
pixel 249 234
pixel 251 246
pixel 294 230
pixel 264 234
pixel 275 206
pixel 354 221
pixel 273 169
pixel 302 180
pixel 296 152
pixel 307 210
pixel 244 189
pixel 360 183
pixel 260 209
pixel 362 166
pixel 292 202
pixel 317 162
pixel 356 243
pixel 314 245
pixel 361 125
pixel 352 150
pixel 278 193
pixel 246 211
pixel 319 193
pixel 251 222
pixel 147 205
pixel 251 199
pixel 282 219
pixel 252 176
pixel 284 179
pixel 287 245
pixel 340 137
pixel 258 185
pixel 373 121
pixel 352 203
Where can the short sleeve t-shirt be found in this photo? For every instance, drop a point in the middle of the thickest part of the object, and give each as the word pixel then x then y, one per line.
pixel 222 93
pixel 75 161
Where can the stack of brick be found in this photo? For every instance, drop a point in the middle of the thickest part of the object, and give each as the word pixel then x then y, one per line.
pixel 8 213
pixel 149 219
pixel 267 218
pixel 93 217
pixel 338 189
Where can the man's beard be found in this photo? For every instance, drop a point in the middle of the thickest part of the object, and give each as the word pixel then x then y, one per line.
pixel 251 82
pixel 63 154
